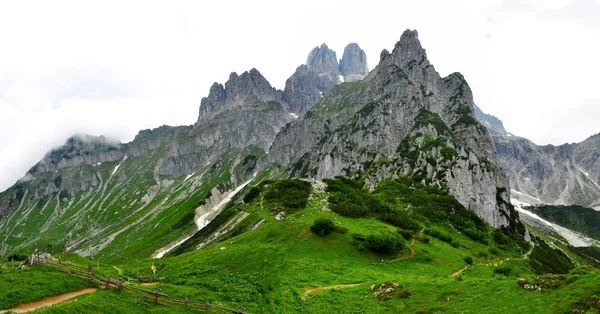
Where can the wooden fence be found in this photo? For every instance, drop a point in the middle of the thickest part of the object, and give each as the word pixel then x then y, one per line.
pixel 152 296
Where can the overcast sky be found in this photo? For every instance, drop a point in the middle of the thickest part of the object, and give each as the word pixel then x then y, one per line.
pixel 113 68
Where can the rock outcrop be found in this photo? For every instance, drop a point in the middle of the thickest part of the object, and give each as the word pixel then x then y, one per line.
pixel 353 65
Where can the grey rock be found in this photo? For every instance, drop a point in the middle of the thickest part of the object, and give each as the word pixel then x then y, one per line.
pixel 353 65
pixel 494 124
pixel 356 123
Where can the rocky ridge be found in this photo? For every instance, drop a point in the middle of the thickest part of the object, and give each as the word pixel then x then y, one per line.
pixel 402 119
pixel 568 174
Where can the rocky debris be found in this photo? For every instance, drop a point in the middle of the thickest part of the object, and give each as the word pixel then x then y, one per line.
pixel 385 291
pixel 353 65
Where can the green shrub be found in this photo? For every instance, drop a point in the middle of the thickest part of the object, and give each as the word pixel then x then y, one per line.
pixel 406 234
pixel 322 226
pixel 384 243
pixel 468 260
pixel 252 194
pixel 291 194
pixel 503 270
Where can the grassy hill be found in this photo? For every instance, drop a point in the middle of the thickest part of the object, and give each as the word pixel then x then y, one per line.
pixel 439 261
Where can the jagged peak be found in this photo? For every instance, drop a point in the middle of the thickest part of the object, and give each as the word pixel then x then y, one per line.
pixel 250 86
pixel 353 65
pixel 323 59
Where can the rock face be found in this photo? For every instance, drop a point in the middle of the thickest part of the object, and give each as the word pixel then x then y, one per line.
pixel 402 119
pixel 491 122
pixel 311 80
pixel 78 150
pixel 353 65
pixel 568 174
pixel 321 73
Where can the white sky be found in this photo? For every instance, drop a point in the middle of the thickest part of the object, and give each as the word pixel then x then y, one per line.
pixel 114 68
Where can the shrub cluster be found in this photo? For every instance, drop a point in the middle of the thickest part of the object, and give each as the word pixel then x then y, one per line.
pixel 322 226
pixel 384 243
pixel 290 194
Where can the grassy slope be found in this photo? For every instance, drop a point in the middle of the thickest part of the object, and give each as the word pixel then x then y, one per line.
pixel 269 269
pixel 34 283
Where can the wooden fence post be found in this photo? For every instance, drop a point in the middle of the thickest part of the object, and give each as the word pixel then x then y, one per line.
pixel 13 262
pixel 90 273
pixel 120 285
pixel 60 263
pixel 186 301
pixel 156 294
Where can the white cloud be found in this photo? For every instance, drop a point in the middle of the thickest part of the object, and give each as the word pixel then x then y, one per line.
pixel 113 67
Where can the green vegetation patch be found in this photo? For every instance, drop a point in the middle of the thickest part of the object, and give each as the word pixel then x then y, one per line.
pixel 291 194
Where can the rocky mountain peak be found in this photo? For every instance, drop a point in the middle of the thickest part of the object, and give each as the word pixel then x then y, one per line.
pixel 353 65
pixel 79 149
pixel 251 86
pixel 323 60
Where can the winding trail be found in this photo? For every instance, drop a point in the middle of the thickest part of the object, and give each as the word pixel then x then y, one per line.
pixel 459 271
pixel 413 252
pixel 28 307
pixel 318 289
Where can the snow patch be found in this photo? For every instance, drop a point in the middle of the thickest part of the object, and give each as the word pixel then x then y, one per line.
pixel 188 176
pixel 588 176
pixel 341 77
pixel 117 167
pixel 204 219
pixel 574 239
pixel 295 116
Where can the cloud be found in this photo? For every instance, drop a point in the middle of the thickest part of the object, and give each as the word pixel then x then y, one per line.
pixel 113 68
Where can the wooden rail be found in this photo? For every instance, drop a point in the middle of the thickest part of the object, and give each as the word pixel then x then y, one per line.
pixel 152 296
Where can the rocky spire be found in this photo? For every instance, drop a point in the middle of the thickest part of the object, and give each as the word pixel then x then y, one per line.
pixel 323 60
pixel 353 65
pixel 249 87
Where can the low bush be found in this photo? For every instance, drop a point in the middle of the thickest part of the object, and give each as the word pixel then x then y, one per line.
pixel 384 243
pixel 322 226
pixel 503 270
pixel 468 260
pixel 291 194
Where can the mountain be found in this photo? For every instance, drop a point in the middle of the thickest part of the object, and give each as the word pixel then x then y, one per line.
pixel 402 119
pixel 103 198
pixel 567 174
pixel 170 187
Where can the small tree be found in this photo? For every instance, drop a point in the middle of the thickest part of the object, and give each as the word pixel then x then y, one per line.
pixel 322 226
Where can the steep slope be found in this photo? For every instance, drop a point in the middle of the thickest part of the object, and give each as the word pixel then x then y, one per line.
pixel 402 119
pixel 109 200
pixel 353 65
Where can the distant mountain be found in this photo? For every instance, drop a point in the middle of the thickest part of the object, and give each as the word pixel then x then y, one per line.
pixel 568 174
pixel 491 122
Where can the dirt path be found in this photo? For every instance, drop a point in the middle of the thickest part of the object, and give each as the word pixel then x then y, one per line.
pixel 28 307
pixel 413 252
pixel 318 289
pixel 119 270
pixel 149 284
pixel 460 271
